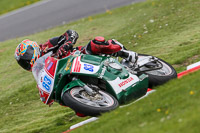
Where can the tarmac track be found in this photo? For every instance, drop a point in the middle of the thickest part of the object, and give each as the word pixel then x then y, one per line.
pixel 49 13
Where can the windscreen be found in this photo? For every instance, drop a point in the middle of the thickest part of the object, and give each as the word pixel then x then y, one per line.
pixel 39 66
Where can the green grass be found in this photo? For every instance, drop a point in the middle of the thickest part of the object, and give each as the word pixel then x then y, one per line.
pixel 9 5
pixel 168 29
pixel 173 108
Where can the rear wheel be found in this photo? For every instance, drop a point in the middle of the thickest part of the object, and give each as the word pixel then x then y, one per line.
pixel 159 72
pixel 80 101
pixel 162 75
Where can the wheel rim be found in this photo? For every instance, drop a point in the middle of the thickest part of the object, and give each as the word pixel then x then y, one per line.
pixel 164 71
pixel 99 100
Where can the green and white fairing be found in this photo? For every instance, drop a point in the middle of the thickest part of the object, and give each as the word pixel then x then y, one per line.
pixel 91 85
pixel 118 81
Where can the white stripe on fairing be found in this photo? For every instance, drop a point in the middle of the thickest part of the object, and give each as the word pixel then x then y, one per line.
pixel 117 88
pixel 24 8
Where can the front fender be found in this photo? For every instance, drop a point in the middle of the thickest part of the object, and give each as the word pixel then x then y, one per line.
pixel 72 84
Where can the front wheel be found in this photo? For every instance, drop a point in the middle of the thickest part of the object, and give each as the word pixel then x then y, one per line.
pixel 80 101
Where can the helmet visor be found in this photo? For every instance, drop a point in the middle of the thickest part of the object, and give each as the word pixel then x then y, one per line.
pixel 25 64
pixel 24 60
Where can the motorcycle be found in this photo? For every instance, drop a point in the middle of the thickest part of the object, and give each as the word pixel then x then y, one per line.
pixel 91 84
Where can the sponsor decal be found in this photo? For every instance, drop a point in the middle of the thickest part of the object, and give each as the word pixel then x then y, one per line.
pixel 89 67
pixel 102 72
pixel 125 82
pixel 68 65
pixel 47 83
pixel 49 66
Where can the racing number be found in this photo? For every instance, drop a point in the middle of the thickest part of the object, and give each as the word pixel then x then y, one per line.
pixel 46 83
pixel 88 67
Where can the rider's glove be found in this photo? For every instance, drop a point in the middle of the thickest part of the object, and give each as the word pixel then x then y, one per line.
pixel 64 49
pixel 71 36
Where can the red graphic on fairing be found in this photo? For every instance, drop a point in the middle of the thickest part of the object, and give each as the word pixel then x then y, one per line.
pixel 50 65
pixel 76 66
pixel 44 96
pixel 47 78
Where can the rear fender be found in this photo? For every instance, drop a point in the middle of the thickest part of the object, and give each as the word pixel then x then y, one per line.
pixel 72 84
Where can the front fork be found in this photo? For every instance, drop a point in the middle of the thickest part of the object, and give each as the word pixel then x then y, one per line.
pixel 77 82
pixel 86 88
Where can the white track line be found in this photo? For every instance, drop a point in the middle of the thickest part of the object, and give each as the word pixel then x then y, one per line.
pixel 84 122
pixel 193 65
pixel 95 118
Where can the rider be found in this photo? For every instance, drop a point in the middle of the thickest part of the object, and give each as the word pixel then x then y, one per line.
pixel 28 51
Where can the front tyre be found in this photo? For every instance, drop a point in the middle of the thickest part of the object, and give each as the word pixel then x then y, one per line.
pixel 79 100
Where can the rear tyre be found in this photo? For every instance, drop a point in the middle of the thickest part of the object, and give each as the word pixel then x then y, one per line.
pixel 157 76
pixel 160 76
pixel 79 100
